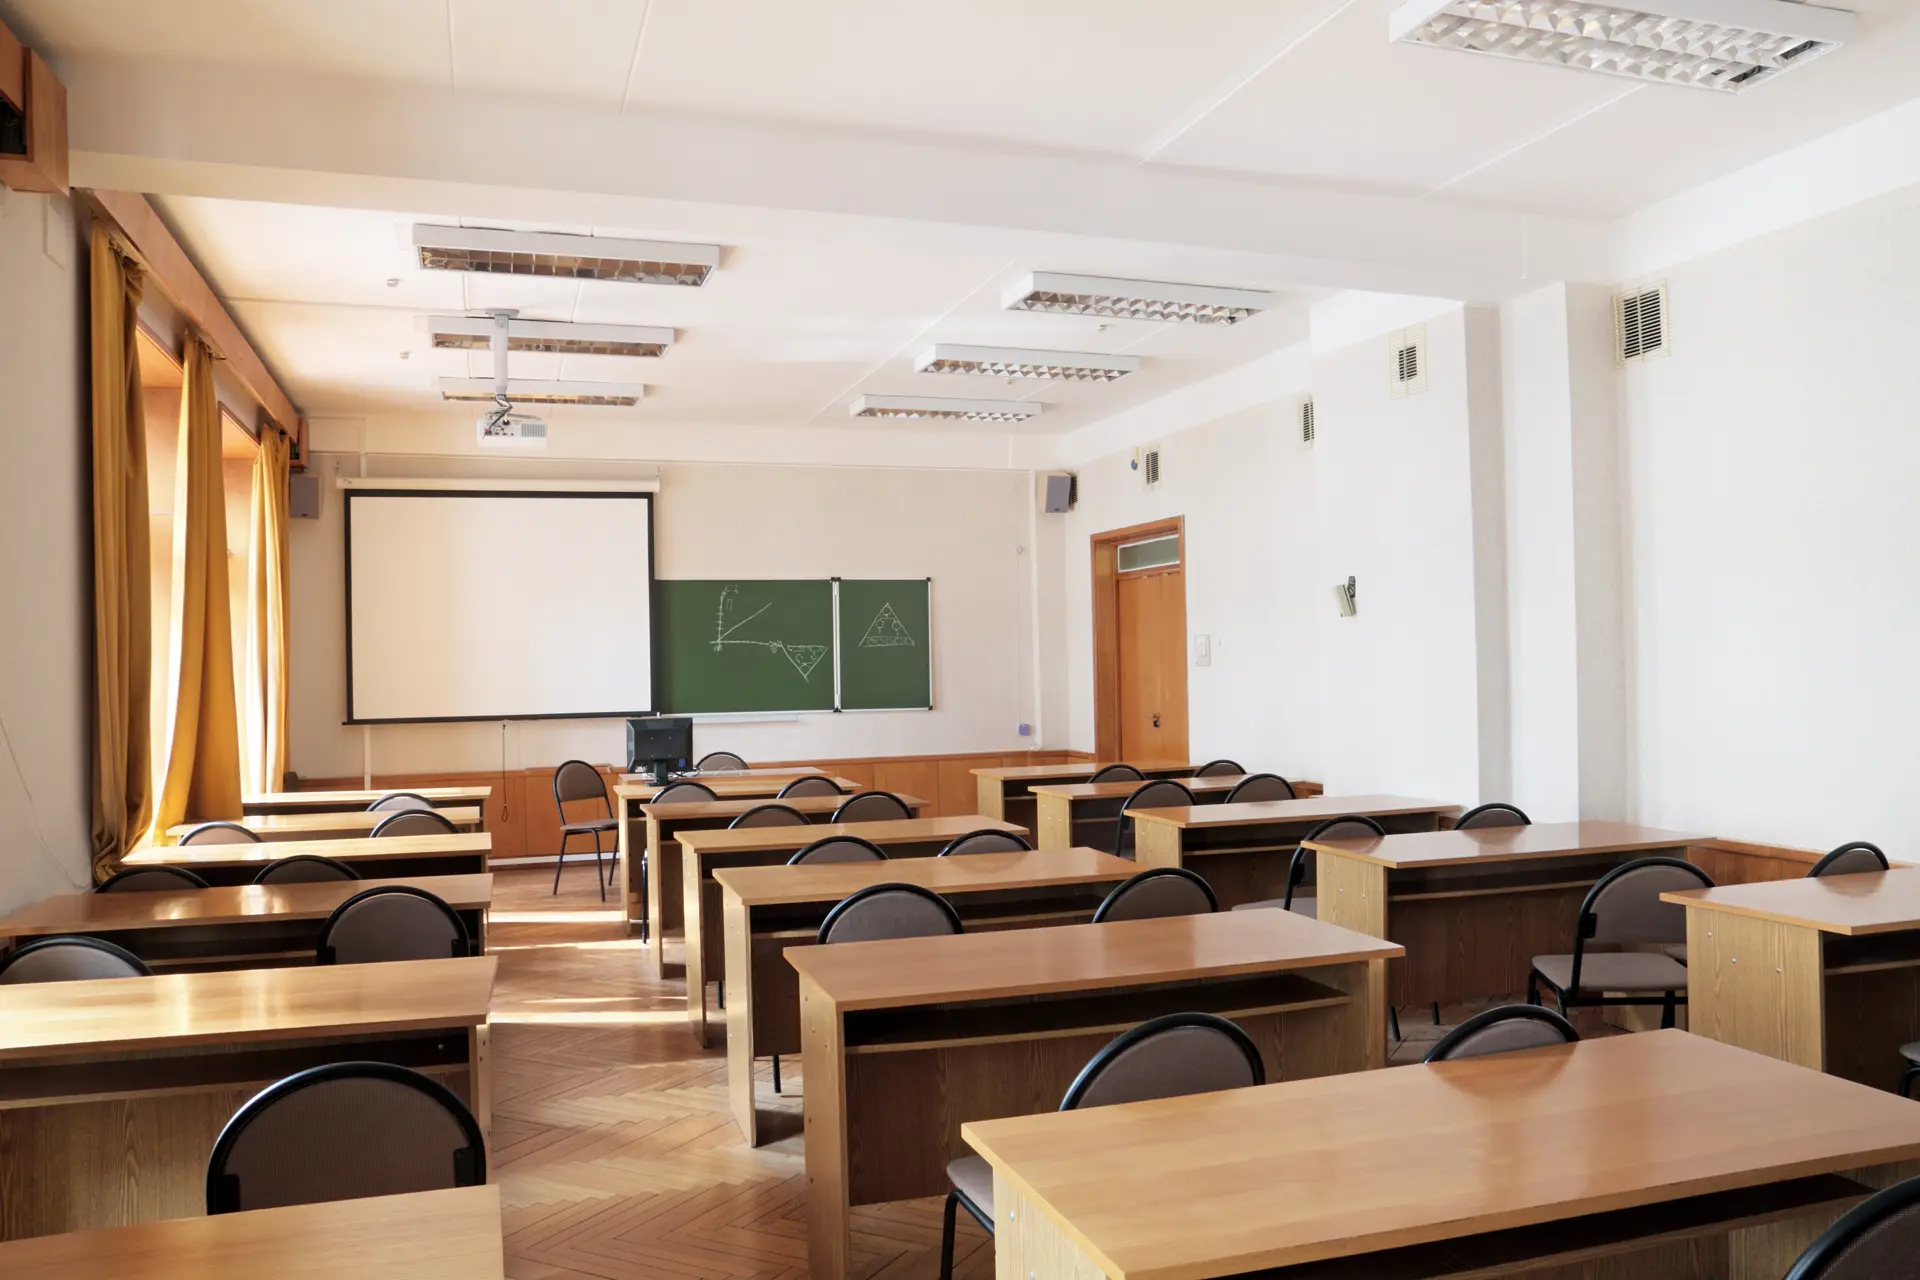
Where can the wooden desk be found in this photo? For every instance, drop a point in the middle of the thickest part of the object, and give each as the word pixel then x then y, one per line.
pixel 1473 908
pixel 1087 814
pixel 1243 849
pixel 229 927
pixel 357 801
pixel 666 897
pixel 906 1041
pixel 393 857
pixel 703 852
pixel 787 771
pixel 112 1091
pixel 1006 791
pixel 1658 1156
pixel 1822 973
pixel 331 826
pixel 771 910
pixel 429 1235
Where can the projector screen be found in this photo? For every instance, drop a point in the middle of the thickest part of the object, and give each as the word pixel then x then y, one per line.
pixel 498 604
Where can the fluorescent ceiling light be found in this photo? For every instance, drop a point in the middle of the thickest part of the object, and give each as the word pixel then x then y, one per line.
pixel 1706 44
pixel 528 391
pixel 475 333
pixel 938 407
pixel 1014 362
pixel 568 257
pixel 1135 299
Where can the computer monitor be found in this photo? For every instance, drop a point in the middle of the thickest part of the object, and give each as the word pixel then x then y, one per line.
pixel 661 744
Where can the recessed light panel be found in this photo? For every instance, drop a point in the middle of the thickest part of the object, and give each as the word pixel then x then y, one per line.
pixel 475 333
pixel 1135 299
pixel 598 394
pixel 1010 362
pixel 567 257
pixel 939 407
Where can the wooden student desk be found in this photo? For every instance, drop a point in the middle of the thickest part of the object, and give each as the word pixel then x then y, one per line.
pixel 357 801
pixel 1660 1156
pixel 428 1235
pixel 112 1091
pixel 391 857
pixel 1243 849
pixel 1473 908
pixel 905 1041
pixel 771 910
pixel 229 927
pixel 1088 813
pixel 331 826
pixel 702 852
pixel 1822 973
pixel 1006 791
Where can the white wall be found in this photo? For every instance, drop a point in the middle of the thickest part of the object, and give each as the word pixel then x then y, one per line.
pixel 46 566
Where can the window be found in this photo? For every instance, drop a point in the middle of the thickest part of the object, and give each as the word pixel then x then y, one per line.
pixel 1148 553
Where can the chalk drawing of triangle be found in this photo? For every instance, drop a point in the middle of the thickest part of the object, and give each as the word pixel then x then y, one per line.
pixel 887 632
pixel 804 657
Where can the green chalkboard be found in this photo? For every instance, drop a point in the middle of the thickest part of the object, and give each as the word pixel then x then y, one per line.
pixel 886 649
pixel 744 645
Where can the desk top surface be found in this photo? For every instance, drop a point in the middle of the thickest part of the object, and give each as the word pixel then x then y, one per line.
pixel 1504 844
pixel 734 808
pixel 224 904
pixel 1121 790
pixel 1251 813
pixel 1081 957
pixel 282 801
pixel 351 849
pixel 1074 769
pixel 731 785
pixel 962 873
pixel 765 771
pixel 350 823
pixel 896 830
pixel 1864 903
pixel 428 1235
pixel 170 1010
pixel 1222 1183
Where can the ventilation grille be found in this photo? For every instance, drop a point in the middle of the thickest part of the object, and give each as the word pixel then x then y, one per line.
pixel 1640 319
pixel 1306 422
pixel 1150 466
pixel 1407 365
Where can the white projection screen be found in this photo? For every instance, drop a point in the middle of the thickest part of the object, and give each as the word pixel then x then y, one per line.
pixel 497 603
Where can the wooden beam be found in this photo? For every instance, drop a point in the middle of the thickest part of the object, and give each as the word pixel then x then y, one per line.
pixel 169 267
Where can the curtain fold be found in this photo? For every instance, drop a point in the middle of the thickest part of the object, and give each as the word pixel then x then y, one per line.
pixel 122 573
pixel 267 602
pixel 202 777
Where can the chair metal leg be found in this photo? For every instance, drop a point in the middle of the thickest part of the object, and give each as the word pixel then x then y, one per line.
pixel 946 1235
pixel 599 868
pixel 720 993
pixel 559 862
pixel 1666 1011
pixel 1393 1022
pixel 1436 1013
pixel 776 1073
pixel 1907 1078
pixel 1533 988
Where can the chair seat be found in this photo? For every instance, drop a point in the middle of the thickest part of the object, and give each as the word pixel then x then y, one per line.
pixel 972 1177
pixel 1911 1052
pixel 1302 906
pixel 1631 972
pixel 590 825
pixel 1675 951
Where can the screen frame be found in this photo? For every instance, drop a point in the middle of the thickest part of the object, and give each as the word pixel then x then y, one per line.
pixel 403 490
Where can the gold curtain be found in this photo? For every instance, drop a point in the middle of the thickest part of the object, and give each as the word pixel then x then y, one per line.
pixel 202 778
pixel 266 663
pixel 122 595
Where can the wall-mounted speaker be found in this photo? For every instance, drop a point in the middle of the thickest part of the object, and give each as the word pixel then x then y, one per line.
pixel 303 496
pixel 1063 490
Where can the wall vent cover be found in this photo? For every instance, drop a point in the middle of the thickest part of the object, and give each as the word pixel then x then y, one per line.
pixel 1640 320
pixel 1407 362
pixel 1150 466
pixel 1306 422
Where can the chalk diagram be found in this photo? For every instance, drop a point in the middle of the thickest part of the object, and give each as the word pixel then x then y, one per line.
pixel 804 657
pixel 886 632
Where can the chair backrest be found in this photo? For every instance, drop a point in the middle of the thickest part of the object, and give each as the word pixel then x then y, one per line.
pixel 839 849
pixel 813 784
pixel 719 762
pixel 150 880
pixel 873 806
pixel 889 911
pixel 305 868
pixel 1877 1239
pixel 1222 768
pixel 70 960
pixel 415 822
pixel 343 1131
pixel 1498 1030
pixel 1156 892
pixel 578 780
pixel 400 802
pixel 392 922
pixel 1163 794
pixel 987 841
pixel 1851 858
pixel 1117 773
pixel 1168 1057
pixel 1624 905
pixel 1497 813
pixel 221 833
pixel 1351 826
pixel 684 793
pixel 1261 786
pixel 770 815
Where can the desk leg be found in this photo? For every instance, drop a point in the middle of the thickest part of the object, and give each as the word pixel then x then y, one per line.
pixel 829 1189
pixel 1026 1244
pixel 480 1083
pixel 1156 844
pixel 739 979
pixel 625 850
pixel 692 914
pixel 1758 984
pixel 990 794
pixel 1054 821
pixel 1352 893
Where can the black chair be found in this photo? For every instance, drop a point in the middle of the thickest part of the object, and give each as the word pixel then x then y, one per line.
pixel 1166 1057
pixel 1623 908
pixel 343 1131
pixel 1850 859
pixel 1117 773
pixel 684 792
pixel 1501 1030
pixel 1910 1052
pixel 1877 1239
pixel 305 868
pixel 719 762
pixel 813 784
pixel 986 841
pixel 1163 794
pixel 1155 893
pixel 150 880
pixel 1350 827
pixel 415 822
pixel 392 922
pixel 1261 786
pixel 221 833
pixel 577 782
pixel 873 806
pixel 770 815
pixel 70 959
pixel 1494 814
pixel 889 911
pixel 838 849
pixel 400 802
pixel 1222 768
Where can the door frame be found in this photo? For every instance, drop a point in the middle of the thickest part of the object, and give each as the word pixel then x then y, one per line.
pixel 1106 622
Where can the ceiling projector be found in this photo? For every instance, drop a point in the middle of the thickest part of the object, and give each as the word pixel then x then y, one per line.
pixel 504 429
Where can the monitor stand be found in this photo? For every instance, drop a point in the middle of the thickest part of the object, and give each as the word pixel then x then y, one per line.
pixel 662 771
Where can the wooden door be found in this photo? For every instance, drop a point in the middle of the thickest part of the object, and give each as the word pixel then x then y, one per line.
pixel 1151 628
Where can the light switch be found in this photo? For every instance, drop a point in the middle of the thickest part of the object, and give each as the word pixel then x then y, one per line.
pixel 1203 651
